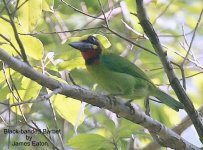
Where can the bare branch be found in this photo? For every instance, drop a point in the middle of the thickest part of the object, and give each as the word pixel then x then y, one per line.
pixel 185 123
pixel 179 90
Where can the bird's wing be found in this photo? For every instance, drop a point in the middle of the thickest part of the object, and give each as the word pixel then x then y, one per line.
pixel 119 64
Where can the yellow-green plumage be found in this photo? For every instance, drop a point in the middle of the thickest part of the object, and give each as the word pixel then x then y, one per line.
pixel 118 75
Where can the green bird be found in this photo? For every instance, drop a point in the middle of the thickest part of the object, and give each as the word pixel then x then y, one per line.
pixel 117 75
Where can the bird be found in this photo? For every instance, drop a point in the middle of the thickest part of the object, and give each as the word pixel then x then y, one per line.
pixel 116 74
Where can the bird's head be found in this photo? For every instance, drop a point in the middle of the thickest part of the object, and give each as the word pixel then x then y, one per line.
pixel 90 46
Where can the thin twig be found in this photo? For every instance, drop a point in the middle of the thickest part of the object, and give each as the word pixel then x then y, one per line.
pixel 193 36
pixel 44 135
pixel 74 8
pixel 57 32
pixel 5 38
pixel 126 39
pixel 17 98
pixel 163 12
pixel 105 19
pixel 4 7
pixel 188 59
pixel 18 7
pixel 5 19
pixel 40 99
pixel 56 124
pixel 182 73
pixel 20 44
pixel 140 35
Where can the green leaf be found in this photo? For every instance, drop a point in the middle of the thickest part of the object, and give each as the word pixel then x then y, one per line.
pixel 9 49
pixel 6 29
pixel 4 91
pixel 89 142
pixel 29 14
pixel 103 40
pixel 29 91
pixel 33 46
pixel 47 5
pixel 77 62
pixel 69 109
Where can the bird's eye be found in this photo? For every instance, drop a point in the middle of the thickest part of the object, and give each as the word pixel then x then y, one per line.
pixel 92 39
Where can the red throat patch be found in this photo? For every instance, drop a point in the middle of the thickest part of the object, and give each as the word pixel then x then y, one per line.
pixel 91 56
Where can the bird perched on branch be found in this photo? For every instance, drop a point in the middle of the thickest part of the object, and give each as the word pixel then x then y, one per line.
pixel 116 74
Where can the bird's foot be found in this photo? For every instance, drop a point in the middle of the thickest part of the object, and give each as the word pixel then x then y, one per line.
pixel 112 101
pixel 147 107
pixel 132 110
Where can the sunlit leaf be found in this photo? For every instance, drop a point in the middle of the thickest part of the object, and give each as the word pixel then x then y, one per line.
pixel 2 74
pixel 33 46
pixel 4 91
pixel 29 14
pixel 19 109
pixel 47 5
pixel 103 40
pixel 77 62
pixel 29 91
pixel 7 32
pixel 9 49
pixel 6 29
pixel 69 109
pixel 103 132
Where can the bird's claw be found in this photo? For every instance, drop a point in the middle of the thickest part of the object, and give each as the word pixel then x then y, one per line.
pixel 147 107
pixel 132 110
pixel 112 102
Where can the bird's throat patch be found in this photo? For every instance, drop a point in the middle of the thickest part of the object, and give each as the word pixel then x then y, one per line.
pixel 91 57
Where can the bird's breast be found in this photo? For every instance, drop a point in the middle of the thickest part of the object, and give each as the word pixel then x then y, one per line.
pixel 117 83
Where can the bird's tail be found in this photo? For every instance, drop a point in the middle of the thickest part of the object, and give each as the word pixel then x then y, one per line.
pixel 168 100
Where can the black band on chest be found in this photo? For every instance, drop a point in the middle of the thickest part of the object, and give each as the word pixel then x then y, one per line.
pixel 91 60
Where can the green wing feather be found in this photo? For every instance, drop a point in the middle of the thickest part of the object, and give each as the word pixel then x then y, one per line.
pixel 119 64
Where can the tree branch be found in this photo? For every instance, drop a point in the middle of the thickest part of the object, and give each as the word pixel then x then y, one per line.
pixel 182 126
pixel 102 101
pixel 180 92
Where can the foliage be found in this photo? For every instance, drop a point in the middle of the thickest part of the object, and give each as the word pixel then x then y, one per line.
pixel 43 26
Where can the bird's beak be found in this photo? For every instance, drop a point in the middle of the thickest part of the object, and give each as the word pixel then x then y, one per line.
pixel 82 46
